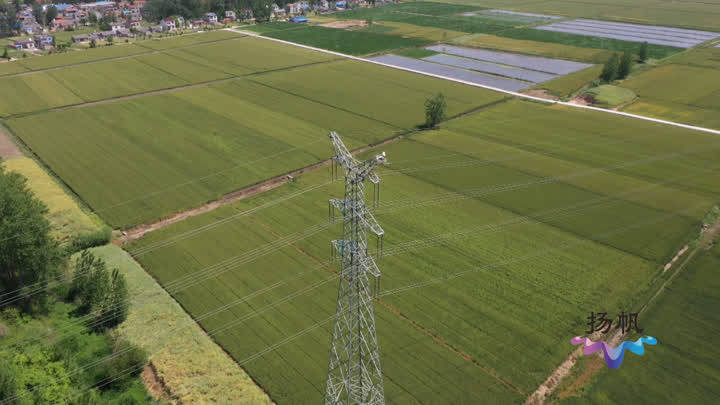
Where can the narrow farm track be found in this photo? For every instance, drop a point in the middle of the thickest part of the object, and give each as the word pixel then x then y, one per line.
pixel 8 149
pixel 561 372
pixel 512 93
pixel 114 58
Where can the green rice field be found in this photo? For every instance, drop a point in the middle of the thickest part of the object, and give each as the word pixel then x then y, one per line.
pixel 503 229
pixel 683 366
pixel 226 135
pixel 686 89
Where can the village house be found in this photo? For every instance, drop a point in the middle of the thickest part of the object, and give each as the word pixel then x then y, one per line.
pixel 277 11
pixel 116 26
pixel 44 41
pixel 80 38
pixel 211 18
pixel 132 24
pixel 231 15
pixel 293 8
pixel 168 24
pixel 26 44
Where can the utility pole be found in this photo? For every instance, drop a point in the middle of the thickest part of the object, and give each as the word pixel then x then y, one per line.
pixel 354 374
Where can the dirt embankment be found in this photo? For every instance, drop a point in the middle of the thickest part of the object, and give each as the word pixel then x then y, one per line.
pixel 346 24
pixel 137 232
pixel 8 149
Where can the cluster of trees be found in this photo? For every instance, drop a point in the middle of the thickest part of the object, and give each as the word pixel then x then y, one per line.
pixel 159 9
pixel 44 17
pixel 617 68
pixel 58 327
pixel 8 17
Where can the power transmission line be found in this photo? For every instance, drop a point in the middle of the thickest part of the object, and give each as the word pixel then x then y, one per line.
pixel 354 374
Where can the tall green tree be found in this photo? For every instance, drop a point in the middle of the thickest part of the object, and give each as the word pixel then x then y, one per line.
pixel 643 53
pixel 50 14
pixel 610 70
pixel 625 66
pixel 99 292
pixel 435 110
pixel 29 256
pixel 8 385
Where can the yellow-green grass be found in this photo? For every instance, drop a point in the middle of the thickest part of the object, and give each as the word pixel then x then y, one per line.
pixel 545 49
pixel 683 366
pixel 704 57
pixel 684 113
pixel 610 96
pixel 406 92
pixel 700 15
pixel 191 366
pixel 187 39
pixel 66 217
pixel 224 136
pixel 690 94
pixel 7 68
pixel 129 76
pixel 32 93
pixel 526 192
pixel 80 56
pixel 416 31
pixel 566 85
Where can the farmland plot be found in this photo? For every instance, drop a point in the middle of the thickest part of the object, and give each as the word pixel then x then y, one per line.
pixel 694 99
pixel 676 37
pixel 684 322
pixel 493 222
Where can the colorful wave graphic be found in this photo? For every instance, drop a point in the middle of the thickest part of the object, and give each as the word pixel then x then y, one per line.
pixel 614 355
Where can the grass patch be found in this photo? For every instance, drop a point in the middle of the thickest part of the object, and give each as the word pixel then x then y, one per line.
pixel 683 341
pixel 689 94
pixel 357 42
pixel 239 133
pixel 417 53
pixel 189 363
pixel 68 221
pixel 566 85
pixel 610 96
pixel 535 48
pixel 467 162
pixel 583 41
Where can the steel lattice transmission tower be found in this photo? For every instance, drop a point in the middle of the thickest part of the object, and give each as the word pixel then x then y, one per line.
pixel 354 374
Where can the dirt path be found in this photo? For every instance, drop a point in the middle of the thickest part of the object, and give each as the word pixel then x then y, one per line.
pixel 137 232
pixel 596 363
pixel 8 149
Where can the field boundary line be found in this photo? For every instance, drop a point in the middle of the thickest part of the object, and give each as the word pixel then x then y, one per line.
pixel 137 232
pixel 548 387
pixel 150 51
pixel 166 90
pixel 512 93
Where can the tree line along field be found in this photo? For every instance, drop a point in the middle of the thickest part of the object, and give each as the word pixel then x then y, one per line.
pixel 685 323
pixel 698 15
pixel 685 89
pixel 164 153
pixel 189 364
pixel 519 218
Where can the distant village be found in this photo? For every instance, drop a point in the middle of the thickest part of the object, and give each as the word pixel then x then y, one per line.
pixel 125 19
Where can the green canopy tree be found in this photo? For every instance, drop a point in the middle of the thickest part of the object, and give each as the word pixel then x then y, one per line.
pixel 29 256
pixel 435 110
pixel 99 292
pixel 643 53
pixel 625 66
pixel 610 70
